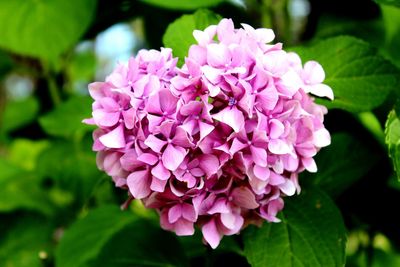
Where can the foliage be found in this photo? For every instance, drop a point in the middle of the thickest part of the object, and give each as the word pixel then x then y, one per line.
pixel 58 209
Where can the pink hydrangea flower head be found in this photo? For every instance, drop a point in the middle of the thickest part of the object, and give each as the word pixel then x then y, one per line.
pixel 219 142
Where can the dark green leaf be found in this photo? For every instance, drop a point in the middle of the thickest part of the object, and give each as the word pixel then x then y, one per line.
pixel 43 29
pixel 360 78
pixel 85 239
pixel 179 34
pixel 392 132
pixel 141 244
pixel 19 113
pixel 183 5
pixel 389 2
pixel 26 242
pixel 108 236
pixel 341 164
pixel 311 233
pixel 66 119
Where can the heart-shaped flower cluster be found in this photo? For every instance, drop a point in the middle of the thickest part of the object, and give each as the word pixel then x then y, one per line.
pixel 217 143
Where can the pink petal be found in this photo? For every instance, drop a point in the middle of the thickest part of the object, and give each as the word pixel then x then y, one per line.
pixel 139 184
pixel 168 101
pixel 211 234
pixel 262 173
pixel 309 164
pixel 212 74
pixel 232 117
pixel 173 157
pixel 259 156
pixel 288 188
pixel 321 90
pixel 217 55
pixel 205 129
pixel 228 220
pixel 209 163
pixel 154 143
pixel 322 138
pixel 129 117
pixel 181 138
pixel 313 73
pixel 158 185
pixel 174 213
pixel 278 146
pixel 188 212
pixel 236 146
pixel 184 227
pixel 219 206
pixel 115 138
pixel 244 197
pixel 160 172
pixel 104 118
pixel 276 128
pixel 148 158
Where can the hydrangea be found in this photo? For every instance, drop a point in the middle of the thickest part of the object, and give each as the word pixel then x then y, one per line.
pixel 215 144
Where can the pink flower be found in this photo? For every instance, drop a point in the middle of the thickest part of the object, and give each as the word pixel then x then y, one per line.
pixel 218 143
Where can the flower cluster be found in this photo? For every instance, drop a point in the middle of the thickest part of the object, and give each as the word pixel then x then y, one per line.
pixel 217 143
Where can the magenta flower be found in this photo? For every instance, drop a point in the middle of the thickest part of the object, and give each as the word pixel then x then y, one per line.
pixel 219 142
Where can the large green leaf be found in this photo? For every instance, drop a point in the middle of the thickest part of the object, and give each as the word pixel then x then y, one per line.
pixel 108 236
pixel 183 5
pixel 360 78
pixel 26 243
pixel 179 34
pixel 19 113
pixel 341 164
pixel 66 119
pixel 392 132
pixel 41 28
pixel 21 190
pixel 311 233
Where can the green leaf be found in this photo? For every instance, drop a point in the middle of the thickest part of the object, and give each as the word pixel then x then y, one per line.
pixel 66 119
pixel 22 190
pixel 179 34
pixel 43 29
pixel 360 78
pixel 141 244
pixel 183 5
pixel 389 2
pixel 311 233
pixel 341 164
pixel 19 113
pixel 108 236
pixel 24 152
pixel 71 166
pixel 25 242
pixel 392 132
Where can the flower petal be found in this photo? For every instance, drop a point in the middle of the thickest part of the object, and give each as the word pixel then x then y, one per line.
pixel 211 234
pixel 232 117
pixel 115 138
pixel 244 197
pixel 154 143
pixel 139 184
pixel 173 157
